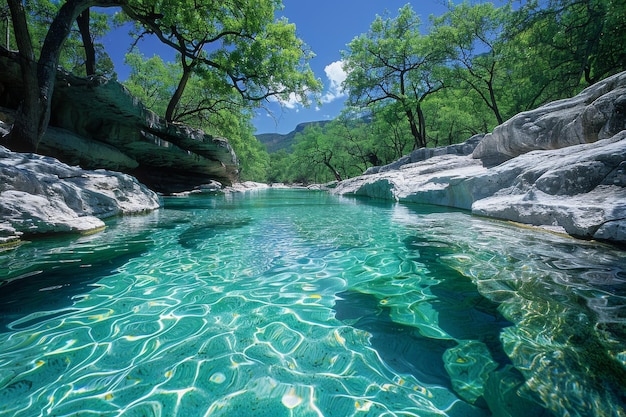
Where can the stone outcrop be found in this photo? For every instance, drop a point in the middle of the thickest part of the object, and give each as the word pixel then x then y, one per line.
pixel 422 154
pixel 564 169
pixel 39 194
pixel 96 123
pixel 598 112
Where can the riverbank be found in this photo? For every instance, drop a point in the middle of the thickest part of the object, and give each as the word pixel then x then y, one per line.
pixel 561 167
pixel 40 195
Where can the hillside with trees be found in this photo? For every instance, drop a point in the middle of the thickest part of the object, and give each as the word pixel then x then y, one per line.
pixel 415 84
pixel 411 82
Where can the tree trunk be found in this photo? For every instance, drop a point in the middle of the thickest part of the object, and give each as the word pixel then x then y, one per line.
pixel 417 127
pixel 494 103
pixel 90 52
pixel 421 123
pixel 24 132
pixel 414 130
pixel 171 106
pixel 336 173
pixel 38 77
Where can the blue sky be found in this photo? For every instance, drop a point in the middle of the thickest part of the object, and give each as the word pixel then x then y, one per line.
pixel 326 26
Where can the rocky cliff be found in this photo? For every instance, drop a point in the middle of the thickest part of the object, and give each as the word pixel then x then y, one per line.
pixel 561 167
pixel 96 123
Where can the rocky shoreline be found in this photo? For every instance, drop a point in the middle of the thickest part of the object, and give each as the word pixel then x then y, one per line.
pixel 40 195
pixel 97 123
pixel 560 167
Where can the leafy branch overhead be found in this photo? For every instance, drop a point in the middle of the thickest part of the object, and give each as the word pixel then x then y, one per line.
pixel 233 45
pixel 237 43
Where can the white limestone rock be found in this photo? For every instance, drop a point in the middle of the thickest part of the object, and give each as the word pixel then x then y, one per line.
pixel 440 180
pixel 561 167
pixel 579 190
pixel 42 195
pixel 598 112
pixel 241 187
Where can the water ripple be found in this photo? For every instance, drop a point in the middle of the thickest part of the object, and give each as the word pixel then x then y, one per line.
pixel 291 308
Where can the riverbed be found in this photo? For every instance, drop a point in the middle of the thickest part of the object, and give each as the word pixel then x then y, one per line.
pixel 301 303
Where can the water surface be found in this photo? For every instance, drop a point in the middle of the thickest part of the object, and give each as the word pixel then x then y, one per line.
pixel 300 303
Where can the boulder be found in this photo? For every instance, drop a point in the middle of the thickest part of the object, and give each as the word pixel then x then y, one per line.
pixel 441 180
pixel 422 154
pixel 469 365
pixel 564 169
pixel 40 194
pixel 580 189
pixel 96 123
pixel 598 112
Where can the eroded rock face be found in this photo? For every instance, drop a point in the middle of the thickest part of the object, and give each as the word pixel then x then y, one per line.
pixel 39 194
pixel 96 123
pixel 579 189
pixel 564 169
pixel 598 112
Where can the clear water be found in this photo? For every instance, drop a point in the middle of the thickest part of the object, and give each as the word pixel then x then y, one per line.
pixel 299 303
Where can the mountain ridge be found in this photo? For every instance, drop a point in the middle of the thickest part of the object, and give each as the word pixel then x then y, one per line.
pixel 275 142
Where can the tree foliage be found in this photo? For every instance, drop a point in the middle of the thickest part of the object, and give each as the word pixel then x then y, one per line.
pixel 234 50
pixel 570 43
pixel 394 62
pixel 409 85
pixel 153 81
pixel 474 67
pixel 472 38
pixel 232 44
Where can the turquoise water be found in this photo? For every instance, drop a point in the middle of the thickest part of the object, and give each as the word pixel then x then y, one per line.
pixel 300 303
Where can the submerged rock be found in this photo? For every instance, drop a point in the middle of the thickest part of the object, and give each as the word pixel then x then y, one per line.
pixel 39 194
pixel 564 169
pixel 469 365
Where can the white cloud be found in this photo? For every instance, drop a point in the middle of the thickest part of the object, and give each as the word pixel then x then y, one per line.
pixel 336 75
pixel 292 102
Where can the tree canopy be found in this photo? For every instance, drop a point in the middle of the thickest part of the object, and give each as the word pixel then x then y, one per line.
pixel 457 75
pixel 394 62
pixel 232 48
pixel 411 82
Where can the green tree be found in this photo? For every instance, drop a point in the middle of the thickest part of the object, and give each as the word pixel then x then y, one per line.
pixel 237 44
pixel 457 114
pixel 236 126
pixel 354 137
pixel 316 152
pixel 218 113
pixel 394 62
pixel 472 37
pixel 151 80
pixel 254 56
pixel 570 43
pixel 279 167
pixel 391 138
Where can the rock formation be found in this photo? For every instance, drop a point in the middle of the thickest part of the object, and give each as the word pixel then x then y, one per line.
pixel 39 194
pixel 96 123
pixel 598 112
pixel 561 166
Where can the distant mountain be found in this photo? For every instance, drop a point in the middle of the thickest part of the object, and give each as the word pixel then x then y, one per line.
pixel 274 142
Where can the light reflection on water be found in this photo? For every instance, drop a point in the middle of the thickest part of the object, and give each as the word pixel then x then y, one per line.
pixel 300 303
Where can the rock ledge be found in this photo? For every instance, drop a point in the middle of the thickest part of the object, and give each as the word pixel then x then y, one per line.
pixel 40 195
pixel 561 167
